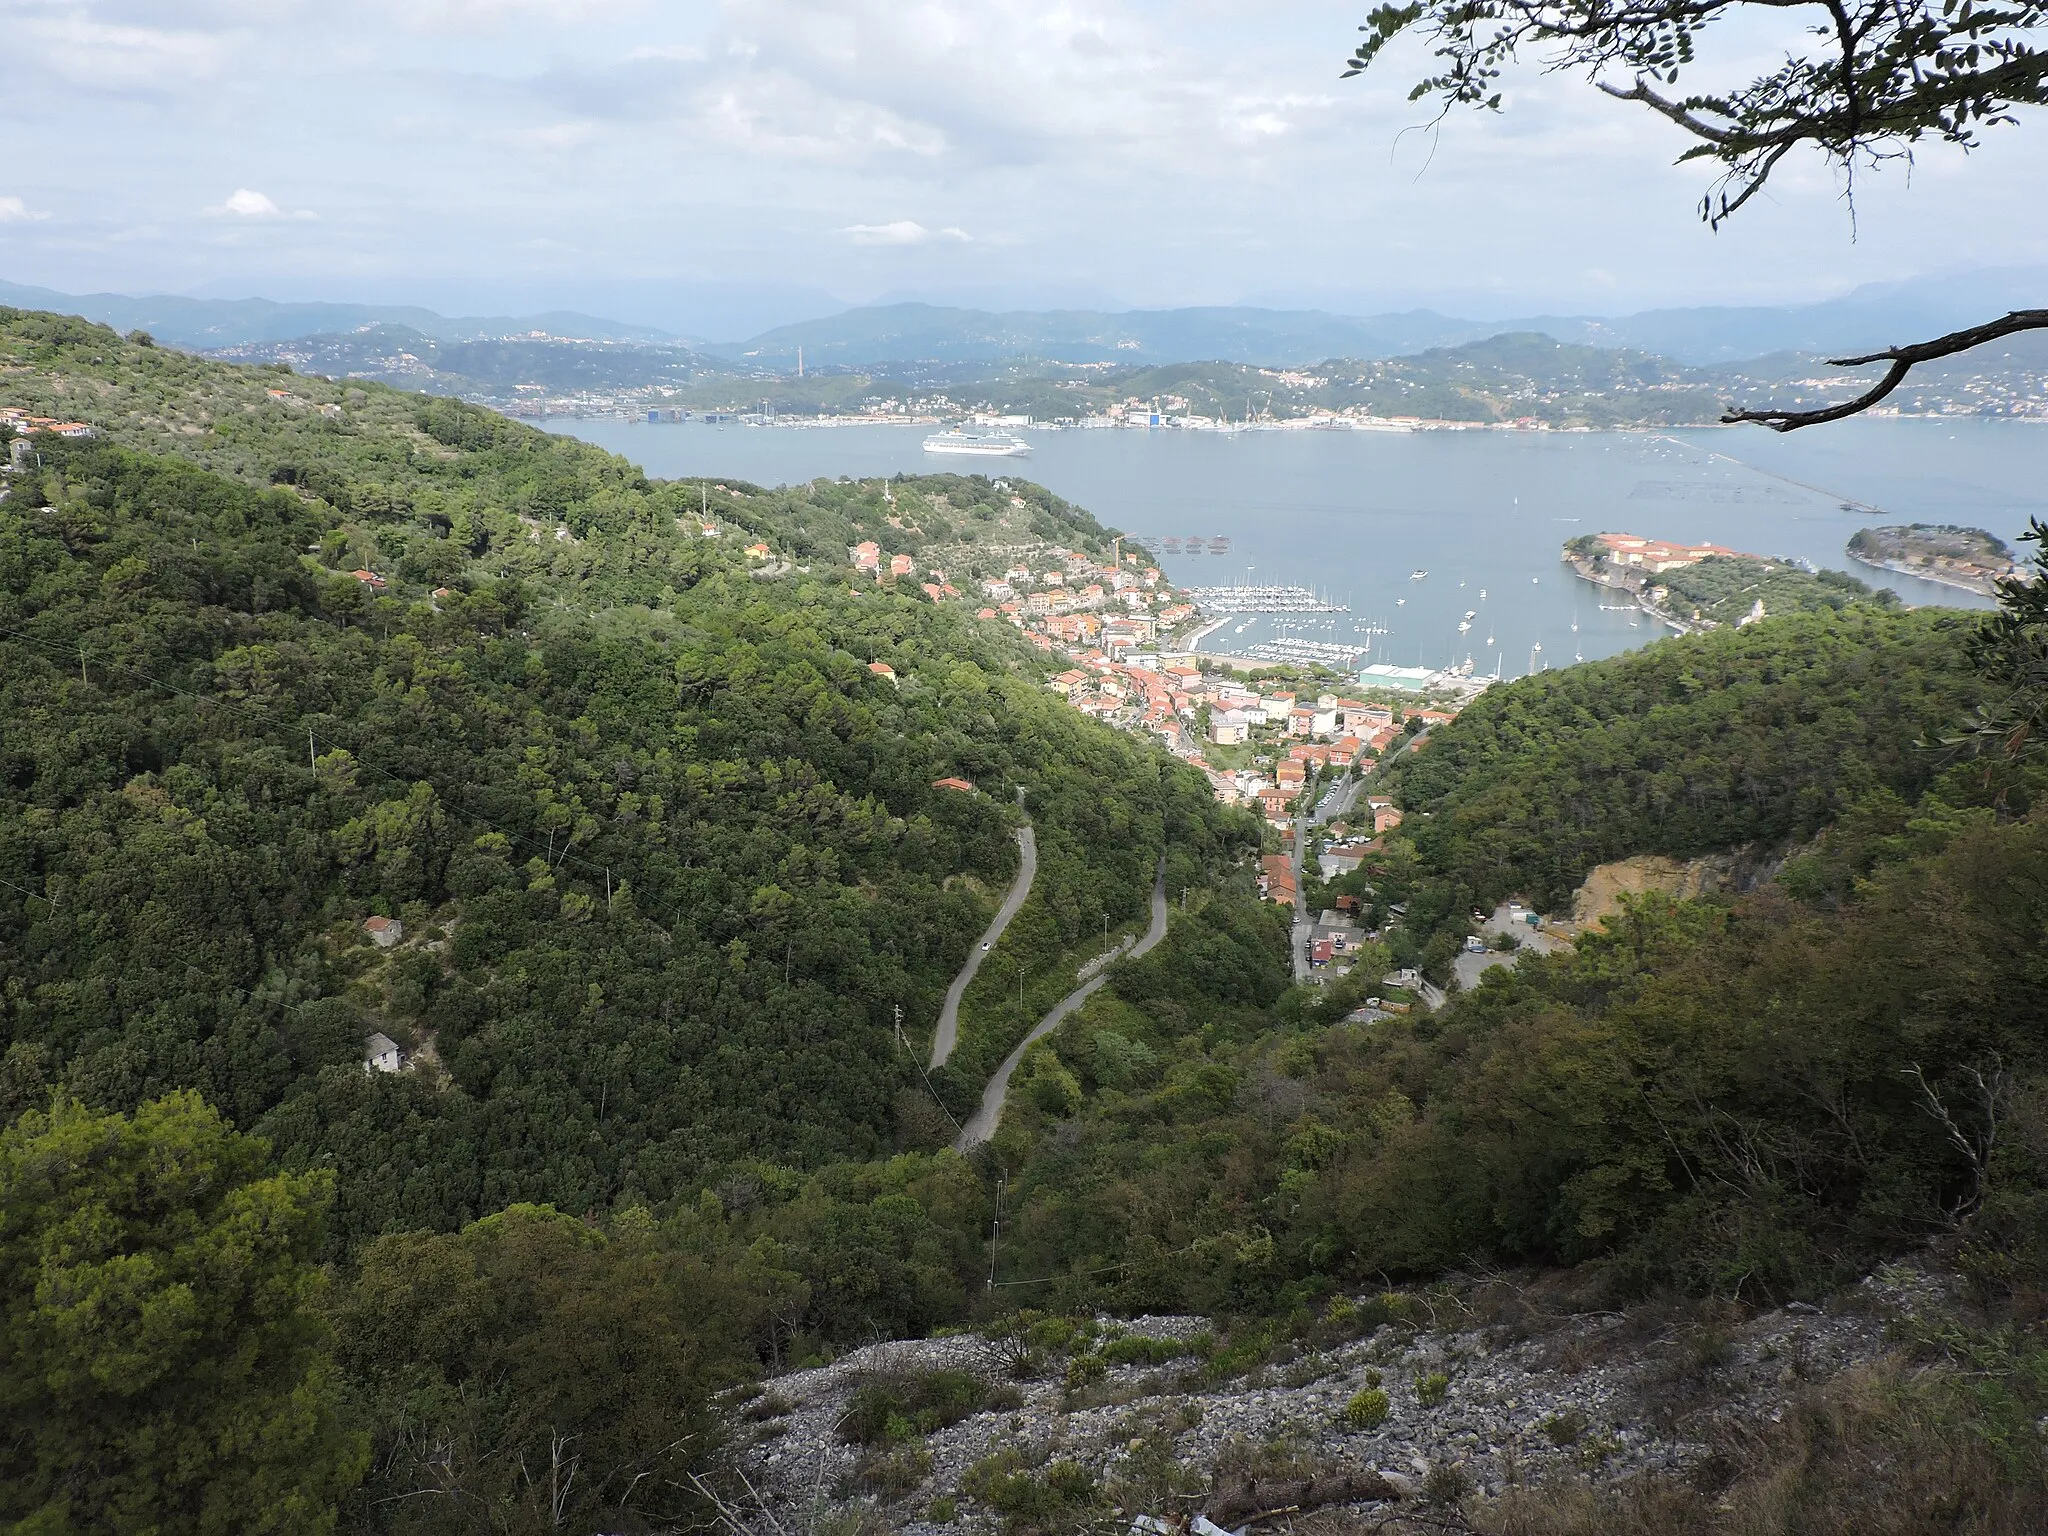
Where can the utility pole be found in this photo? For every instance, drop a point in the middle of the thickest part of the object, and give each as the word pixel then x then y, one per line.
pixel 995 1226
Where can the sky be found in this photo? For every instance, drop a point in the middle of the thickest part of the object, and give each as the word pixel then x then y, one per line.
pixel 719 167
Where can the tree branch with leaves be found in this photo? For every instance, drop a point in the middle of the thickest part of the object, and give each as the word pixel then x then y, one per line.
pixel 1881 77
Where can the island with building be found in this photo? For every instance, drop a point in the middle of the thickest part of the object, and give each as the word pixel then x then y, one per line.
pixel 1968 558
pixel 1696 587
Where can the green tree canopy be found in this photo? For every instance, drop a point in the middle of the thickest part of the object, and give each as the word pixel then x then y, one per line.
pixel 161 1363
pixel 535 1373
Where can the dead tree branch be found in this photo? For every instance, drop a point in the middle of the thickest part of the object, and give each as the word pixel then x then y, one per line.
pixel 1902 360
pixel 1976 1149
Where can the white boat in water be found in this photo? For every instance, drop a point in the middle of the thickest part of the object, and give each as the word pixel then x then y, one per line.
pixel 987 445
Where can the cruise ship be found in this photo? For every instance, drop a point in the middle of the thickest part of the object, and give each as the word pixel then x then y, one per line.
pixel 990 445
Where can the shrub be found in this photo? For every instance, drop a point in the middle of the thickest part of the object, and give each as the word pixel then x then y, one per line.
pixel 1565 1428
pixel 895 1470
pixel 1707 1349
pixel 1136 1349
pixel 1446 1483
pixel 1084 1371
pixel 1432 1389
pixel 1060 1495
pixel 1051 1333
pixel 1367 1409
pixel 892 1409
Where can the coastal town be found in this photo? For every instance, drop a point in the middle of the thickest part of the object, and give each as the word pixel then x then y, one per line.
pixel 1115 633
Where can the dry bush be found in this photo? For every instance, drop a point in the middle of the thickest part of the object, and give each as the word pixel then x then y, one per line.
pixel 1873 1454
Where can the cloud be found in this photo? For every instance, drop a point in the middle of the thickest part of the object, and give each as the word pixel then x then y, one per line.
pixel 473 16
pixel 901 232
pixel 1165 153
pixel 115 58
pixel 245 203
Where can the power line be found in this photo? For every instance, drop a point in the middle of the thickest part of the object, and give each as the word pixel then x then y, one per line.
pixel 903 1041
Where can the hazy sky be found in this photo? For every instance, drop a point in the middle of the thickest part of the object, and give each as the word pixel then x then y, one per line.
pixel 767 156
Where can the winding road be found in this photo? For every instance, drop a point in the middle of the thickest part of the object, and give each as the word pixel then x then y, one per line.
pixel 983 1124
pixel 947 1035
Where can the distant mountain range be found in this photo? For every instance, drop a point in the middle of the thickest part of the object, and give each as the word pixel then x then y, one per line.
pixel 1867 319
pixel 213 324
pixel 494 368
pixel 894 335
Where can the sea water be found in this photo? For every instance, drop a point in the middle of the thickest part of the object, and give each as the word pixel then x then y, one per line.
pixel 1354 515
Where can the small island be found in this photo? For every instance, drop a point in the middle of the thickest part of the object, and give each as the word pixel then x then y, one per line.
pixel 1697 587
pixel 1968 558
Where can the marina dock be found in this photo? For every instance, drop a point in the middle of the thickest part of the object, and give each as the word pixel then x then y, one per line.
pixel 1262 599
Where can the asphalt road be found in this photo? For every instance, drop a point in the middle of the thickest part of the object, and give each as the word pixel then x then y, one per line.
pixel 947 1035
pixel 983 1124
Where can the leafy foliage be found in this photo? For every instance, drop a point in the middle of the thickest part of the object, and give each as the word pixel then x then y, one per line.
pixel 1723 588
pixel 667 852
pixel 1880 79
pixel 162 1364
pixel 532 1373
pixel 2012 652
pixel 1760 735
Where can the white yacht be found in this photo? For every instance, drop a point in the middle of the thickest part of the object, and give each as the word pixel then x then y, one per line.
pixel 987 445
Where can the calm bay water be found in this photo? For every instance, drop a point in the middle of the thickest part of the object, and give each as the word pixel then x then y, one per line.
pixel 1354 514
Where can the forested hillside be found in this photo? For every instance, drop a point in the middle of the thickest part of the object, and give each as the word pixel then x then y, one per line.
pixel 666 851
pixel 1723 1098
pixel 1755 736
